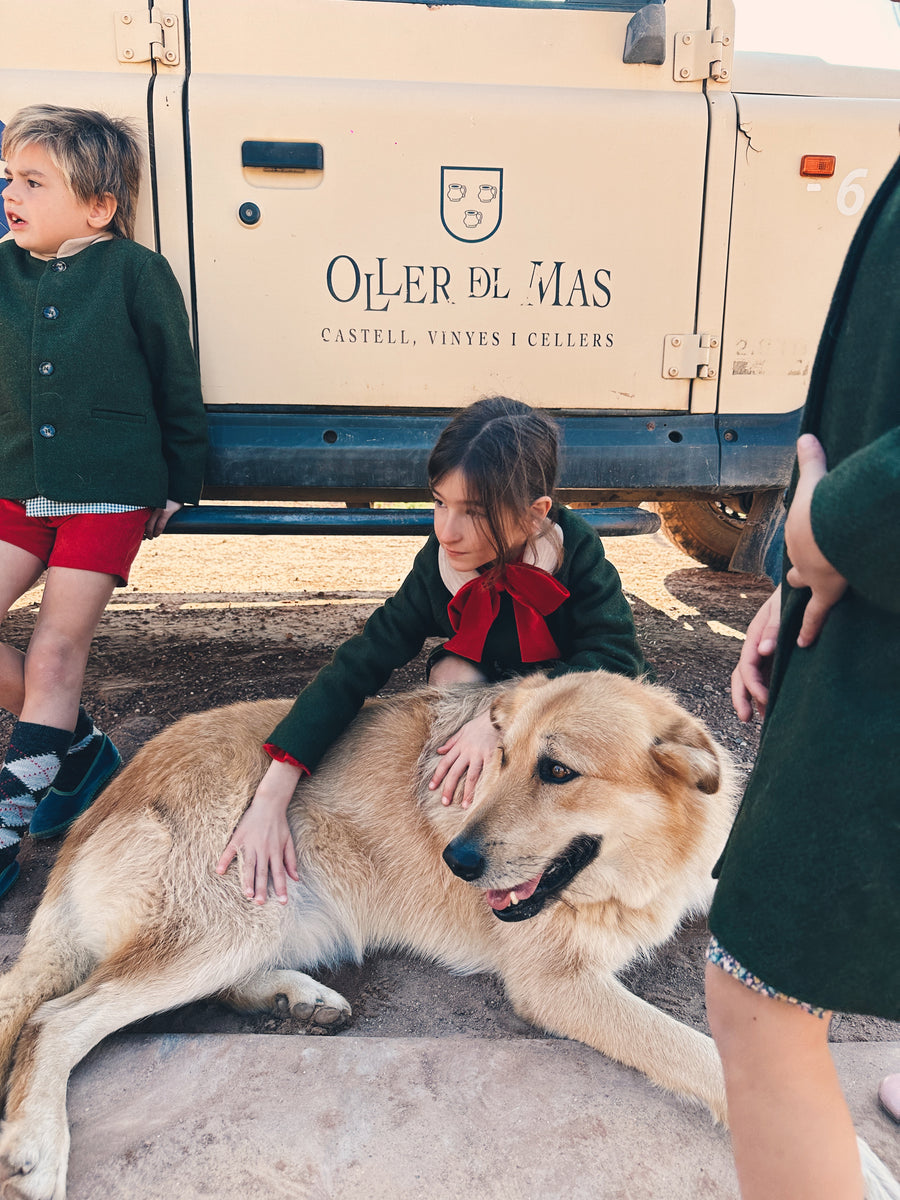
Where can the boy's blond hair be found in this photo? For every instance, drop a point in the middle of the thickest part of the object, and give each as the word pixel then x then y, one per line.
pixel 94 153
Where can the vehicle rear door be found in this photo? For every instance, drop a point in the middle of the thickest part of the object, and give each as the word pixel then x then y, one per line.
pixel 407 204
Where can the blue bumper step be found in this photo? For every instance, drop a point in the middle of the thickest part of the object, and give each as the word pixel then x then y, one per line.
pixel 246 519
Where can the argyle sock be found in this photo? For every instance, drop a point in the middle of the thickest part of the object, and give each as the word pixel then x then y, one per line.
pixel 85 743
pixel 33 759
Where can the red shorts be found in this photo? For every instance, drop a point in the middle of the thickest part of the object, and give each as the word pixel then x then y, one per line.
pixel 102 542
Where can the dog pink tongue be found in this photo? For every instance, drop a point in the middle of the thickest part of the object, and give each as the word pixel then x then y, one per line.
pixel 499 899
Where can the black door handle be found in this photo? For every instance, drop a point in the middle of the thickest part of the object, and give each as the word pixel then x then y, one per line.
pixel 283 156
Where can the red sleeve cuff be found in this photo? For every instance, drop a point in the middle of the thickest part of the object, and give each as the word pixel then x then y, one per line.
pixel 280 755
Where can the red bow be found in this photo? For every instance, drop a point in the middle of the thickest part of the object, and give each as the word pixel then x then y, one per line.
pixel 534 594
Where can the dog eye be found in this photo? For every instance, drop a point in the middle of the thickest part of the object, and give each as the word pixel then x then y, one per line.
pixel 551 771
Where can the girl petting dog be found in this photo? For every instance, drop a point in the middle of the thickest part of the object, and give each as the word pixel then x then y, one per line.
pixel 512 582
pixel 103 438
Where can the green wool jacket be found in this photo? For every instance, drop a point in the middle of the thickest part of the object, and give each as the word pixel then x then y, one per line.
pixel 99 387
pixel 809 891
pixel 593 629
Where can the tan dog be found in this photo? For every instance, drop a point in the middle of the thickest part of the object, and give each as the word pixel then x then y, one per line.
pixel 592 834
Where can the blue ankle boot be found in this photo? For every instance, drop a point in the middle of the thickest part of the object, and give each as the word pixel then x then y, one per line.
pixel 57 810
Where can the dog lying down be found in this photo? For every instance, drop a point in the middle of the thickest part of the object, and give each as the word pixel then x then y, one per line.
pixel 592 834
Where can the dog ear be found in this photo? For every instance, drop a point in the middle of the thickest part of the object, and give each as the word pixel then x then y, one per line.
pixel 687 750
pixel 513 697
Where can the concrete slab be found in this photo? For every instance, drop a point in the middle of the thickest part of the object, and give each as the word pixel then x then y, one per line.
pixel 266 1117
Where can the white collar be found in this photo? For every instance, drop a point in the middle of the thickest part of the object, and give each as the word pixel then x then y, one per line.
pixel 543 553
pixel 72 246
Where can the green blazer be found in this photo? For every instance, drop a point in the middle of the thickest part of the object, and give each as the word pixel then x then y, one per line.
pixel 809 890
pixel 593 629
pixel 99 387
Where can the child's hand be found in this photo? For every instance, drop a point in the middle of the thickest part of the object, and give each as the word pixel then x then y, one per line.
pixel 265 838
pixel 750 678
pixel 810 568
pixel 159 519
pixel 466 754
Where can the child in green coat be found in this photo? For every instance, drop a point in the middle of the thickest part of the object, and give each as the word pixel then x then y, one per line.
pixel 102 438
pixel 806 913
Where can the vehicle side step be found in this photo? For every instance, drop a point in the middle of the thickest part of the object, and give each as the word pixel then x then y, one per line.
pixel 212 518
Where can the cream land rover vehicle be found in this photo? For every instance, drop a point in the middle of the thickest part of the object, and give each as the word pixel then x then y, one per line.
pixel 380 210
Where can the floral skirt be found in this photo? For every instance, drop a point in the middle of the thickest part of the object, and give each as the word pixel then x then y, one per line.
pixel 719 957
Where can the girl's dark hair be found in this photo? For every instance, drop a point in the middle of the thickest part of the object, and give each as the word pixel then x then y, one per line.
pixel 507 454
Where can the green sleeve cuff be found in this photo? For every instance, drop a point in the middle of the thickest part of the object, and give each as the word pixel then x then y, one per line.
pixel 854 516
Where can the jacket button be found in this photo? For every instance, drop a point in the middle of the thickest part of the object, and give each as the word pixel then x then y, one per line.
pixel 48 431
pixel 59 265
pixel 45 368
pixel 51 312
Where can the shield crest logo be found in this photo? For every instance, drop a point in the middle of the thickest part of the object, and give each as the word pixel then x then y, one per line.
pixel 471 202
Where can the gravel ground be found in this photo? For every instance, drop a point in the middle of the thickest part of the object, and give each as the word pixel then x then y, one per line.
pixel 206 621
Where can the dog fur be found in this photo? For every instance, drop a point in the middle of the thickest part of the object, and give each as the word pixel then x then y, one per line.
pixel 604 810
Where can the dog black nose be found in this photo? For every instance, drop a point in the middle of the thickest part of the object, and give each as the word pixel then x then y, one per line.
pixel 464 859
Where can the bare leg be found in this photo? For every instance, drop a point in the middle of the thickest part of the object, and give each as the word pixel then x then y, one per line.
pixel 72 604
pixel 889 1096
pixel 19 571
pixel 791 1130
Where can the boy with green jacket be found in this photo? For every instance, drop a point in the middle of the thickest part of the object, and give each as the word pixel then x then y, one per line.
pixel 102 438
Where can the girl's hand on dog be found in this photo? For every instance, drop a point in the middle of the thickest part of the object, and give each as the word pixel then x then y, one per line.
pixel 466 753
pixel 750 678
pixel 809 566
pixel 264 837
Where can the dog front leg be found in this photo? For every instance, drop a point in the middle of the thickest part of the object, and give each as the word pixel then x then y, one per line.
pixel 599 1011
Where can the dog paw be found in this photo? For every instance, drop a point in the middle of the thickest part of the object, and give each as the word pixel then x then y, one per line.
pixel 326 1008
pixel 27 1173
pixel 23 1178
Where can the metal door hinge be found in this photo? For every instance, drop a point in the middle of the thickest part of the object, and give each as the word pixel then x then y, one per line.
pixel 703 54
pixel 691 356
pixel 147 36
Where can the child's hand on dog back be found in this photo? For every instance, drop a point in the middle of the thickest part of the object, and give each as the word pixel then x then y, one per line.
pixel 264 837
pixel 466 753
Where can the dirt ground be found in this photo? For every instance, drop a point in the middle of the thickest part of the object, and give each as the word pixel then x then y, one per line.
pixel 206 621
